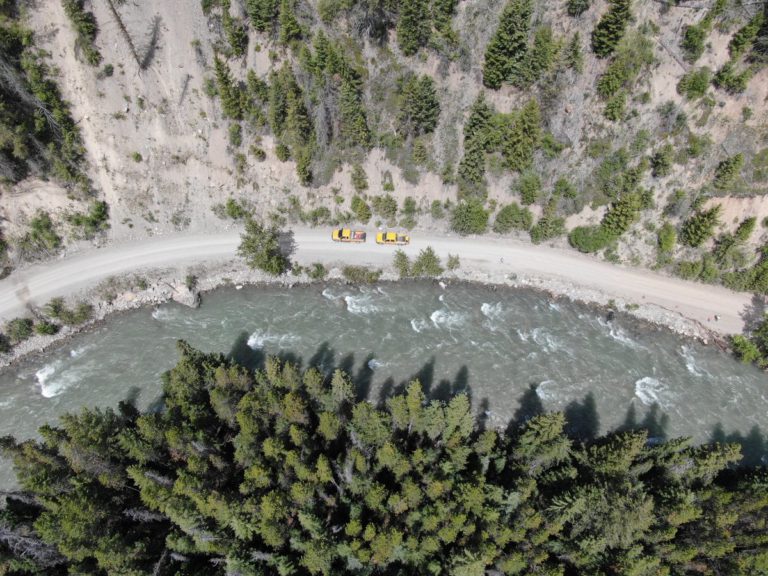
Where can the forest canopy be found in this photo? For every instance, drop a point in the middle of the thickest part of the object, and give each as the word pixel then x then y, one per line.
pixel 284 471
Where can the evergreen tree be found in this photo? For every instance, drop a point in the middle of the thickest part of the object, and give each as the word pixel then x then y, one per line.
pixel 420 106
pixel 230 93
pixel 263 13
pixel 507 50
pixel 610 29
pixel 413 25
pixel 289 26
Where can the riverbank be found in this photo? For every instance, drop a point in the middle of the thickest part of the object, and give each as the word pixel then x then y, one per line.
pixel 167 284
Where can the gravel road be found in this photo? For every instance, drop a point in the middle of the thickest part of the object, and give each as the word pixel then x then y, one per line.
pixel 76 272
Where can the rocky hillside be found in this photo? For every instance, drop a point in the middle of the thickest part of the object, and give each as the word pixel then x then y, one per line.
pixel 624 122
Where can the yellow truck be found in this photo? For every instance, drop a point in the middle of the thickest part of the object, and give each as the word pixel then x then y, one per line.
pixel 398 238
pixel 348 235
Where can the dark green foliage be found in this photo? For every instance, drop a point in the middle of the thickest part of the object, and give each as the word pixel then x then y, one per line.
pixel 666 238
pixel 260 248
pixel 693 41
pixel 728 252
pixel 506 53
pixel 614 177
pixel 58 310
pixel 610 29
pixel 229 92
pixel 694 84
pixel 413 25
pixel 236 32
pixel 384 206
pixel 521 137
pixel 633 53
pixel 37 134
pixel 263 13
pixel 529 187
pixel 700 226
pixel 45 328
pixel 574 56
pixel 661 161
pixel 746 35
pixel 617 220
pixel 752 279
pixel 359 178
pixel 419 106
pixel 91 223
pixel 512 217
pixel 317 271
pixel 469 217
pixel 85 25
pixel 746 350
pixel 360 275
pixel 276 471
pixel 549 226
pixel 539 59
pixel 360 209
pixel 402 263
pixel 615 107
pixel 577 7
pixel 41 239
pixel 354 125
pixel 426 265
pixel 290 29
pixel 727 172
pixel 731 80
pixel 590 238
pixel 19 329
pixel 471 176
pixel 235 135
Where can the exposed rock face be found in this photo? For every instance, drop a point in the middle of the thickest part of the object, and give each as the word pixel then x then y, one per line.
pixel 183 295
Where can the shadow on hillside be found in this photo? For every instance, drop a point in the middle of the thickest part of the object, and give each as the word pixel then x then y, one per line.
pixel 753 313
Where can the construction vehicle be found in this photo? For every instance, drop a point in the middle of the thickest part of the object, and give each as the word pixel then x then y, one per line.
pixel 397 238
pixel 348 235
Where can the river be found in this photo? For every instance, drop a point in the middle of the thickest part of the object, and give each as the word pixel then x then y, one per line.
pixel 514 351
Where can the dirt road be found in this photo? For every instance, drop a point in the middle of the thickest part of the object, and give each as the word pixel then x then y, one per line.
pixel 38 284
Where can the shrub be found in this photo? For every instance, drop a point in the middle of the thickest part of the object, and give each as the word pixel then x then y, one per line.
pixel 56 308
pixel 436 210
pixel 137 157
pixel 548 227
pixel 666 238
pixel 700 226
pixel 661 161
pixel 384 206
pixel 235 135
pixel 427 264
pixel 590 238
pixel 615 107
pixel 529 187
pixel 727 171
pixel 746 35
pixel 360 275
pixel 86 27
pixel 94 221
pixel 469 217
pixel 317 271
pixel 745 350
pixel 731 80
pixel 512 217
pixel 693 41
pixel 402 264
pixel 453 262
pixel 41 238
pixel 577 7
pixel 19 329
pixel 45 328
pixel 282 152
pixel 361 209
pixel 694 84
pixel 359 178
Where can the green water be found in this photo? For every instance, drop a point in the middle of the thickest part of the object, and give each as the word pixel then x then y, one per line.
pixel 495 345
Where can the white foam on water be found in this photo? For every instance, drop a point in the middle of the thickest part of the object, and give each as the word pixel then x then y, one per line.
pixel 554 306
pixel 418 325
pixel 161 314
pixel 690 362
pixel 328 295
pixel 545 340
pixel 524 336
pixel 441 297
pixel 620 336
pixel 259 339
pixel 50 387
pixel 446 319
pixel 360 305
pixel 373 364
pixel 492 311
pixel 652 391
pixel 546 390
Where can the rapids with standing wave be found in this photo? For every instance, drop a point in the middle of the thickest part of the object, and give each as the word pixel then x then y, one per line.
pixel 514 352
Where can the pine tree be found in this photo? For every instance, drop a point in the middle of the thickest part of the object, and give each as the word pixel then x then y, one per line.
pixel 230 93
pixel 263 13
pixel 290 29
pixel 610 29
pixel 508 47
pixel 354 129
pixel 413 25
pixel 420 106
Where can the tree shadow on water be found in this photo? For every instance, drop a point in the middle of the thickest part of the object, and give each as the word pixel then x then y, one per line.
pixel 583 422
pixel 445 389
pixel 754 446
pixel 655 422
pixel 241 353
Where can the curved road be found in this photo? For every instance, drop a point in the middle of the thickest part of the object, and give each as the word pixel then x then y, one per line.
pixel 39 283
